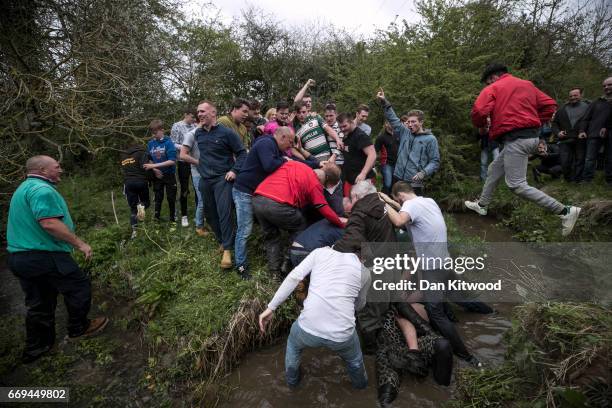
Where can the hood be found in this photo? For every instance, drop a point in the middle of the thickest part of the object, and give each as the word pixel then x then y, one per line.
pixel 161 141
pixel 370 206
pixel 134 149
pixel 425 132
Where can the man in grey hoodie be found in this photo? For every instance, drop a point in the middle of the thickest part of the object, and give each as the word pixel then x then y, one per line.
pixel 418 157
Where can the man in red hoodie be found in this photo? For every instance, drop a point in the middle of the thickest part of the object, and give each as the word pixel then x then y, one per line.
pixel 517 109
pixel 279 200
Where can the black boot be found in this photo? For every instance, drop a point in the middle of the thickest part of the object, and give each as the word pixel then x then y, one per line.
pixel 287 266
pixel 386 395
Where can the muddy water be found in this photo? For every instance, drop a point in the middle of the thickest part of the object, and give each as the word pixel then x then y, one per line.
pixel 259 380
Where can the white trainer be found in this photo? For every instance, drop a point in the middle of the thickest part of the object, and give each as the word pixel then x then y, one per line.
pixel 474 206
pixel 184 221
pixel 568 221
pixel 140 216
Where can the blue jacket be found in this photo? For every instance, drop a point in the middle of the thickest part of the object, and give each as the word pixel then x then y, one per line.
pixel 416 152
pixel 263 158
pixel 161 151
pixel 221 150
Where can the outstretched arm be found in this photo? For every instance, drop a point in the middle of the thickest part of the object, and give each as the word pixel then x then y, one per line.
pixel 302 92
pixel 286 288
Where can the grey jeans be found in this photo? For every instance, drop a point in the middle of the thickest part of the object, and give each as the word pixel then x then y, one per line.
pixel 512 163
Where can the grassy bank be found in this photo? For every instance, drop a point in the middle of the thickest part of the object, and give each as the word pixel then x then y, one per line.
pixel 558 356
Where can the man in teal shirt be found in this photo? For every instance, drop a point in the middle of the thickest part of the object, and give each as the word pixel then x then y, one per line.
pixel 40 237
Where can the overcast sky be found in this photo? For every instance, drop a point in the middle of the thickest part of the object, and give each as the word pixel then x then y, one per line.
pixel 359 17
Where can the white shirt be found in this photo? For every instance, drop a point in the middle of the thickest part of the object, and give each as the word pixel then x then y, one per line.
pixel 427 227
pixel 338 286
pixel 194 151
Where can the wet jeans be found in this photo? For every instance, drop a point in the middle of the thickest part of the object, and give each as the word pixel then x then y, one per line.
pixel 349 351
pixel 244 218
pixel 512 164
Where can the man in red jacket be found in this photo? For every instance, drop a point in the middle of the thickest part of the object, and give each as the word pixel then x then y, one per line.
pixel 517 110
pixel 279 200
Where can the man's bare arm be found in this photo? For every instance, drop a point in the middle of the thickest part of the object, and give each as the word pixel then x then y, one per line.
pixel 185 156
pixel 60 231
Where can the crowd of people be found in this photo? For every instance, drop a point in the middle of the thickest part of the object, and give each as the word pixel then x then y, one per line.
pixel 308 180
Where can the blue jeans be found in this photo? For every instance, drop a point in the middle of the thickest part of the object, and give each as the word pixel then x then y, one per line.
pixel 199 211
pixel 387 174
pixel 484 160
pixel 244 218
pixel 349 351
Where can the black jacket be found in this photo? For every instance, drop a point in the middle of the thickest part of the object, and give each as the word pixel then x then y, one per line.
pixel 390 142
pixel 368 222
pixel 132 161
pixel 551 159
pixel 596 117
pixel 562 122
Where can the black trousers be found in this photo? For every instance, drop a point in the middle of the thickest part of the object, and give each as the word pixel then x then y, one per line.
pixel 43 275
pixel 274 217
pixel 219 209
pixel 572 156
pixel 438 318
pixel 184 175
pixel 136 192
pixel 554 171
pixel 167 182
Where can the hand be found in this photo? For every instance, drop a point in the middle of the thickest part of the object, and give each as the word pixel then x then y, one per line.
pixel 562 134
pixel 340 145
pixel 149 166
pixel 230 176
pixel 420 176
pixel 360 177
pixel 603 132
pixel 157 173
pixel 380 95
pixel 344 220
pixel 582 135
pixel 385 197
pixel 86 250
pixel 310 82
pixel 264 319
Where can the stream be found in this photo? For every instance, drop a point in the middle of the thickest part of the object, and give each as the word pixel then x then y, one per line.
pixel 259 380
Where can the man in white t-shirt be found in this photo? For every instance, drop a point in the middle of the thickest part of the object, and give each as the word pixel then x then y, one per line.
pixel 190 153
pixel 338 287
pixel 422 216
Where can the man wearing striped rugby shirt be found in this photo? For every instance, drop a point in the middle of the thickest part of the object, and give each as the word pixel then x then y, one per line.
pixel 313 133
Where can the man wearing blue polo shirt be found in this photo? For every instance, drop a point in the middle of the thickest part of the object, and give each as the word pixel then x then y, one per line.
pixel 40 237
pixel 222 155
